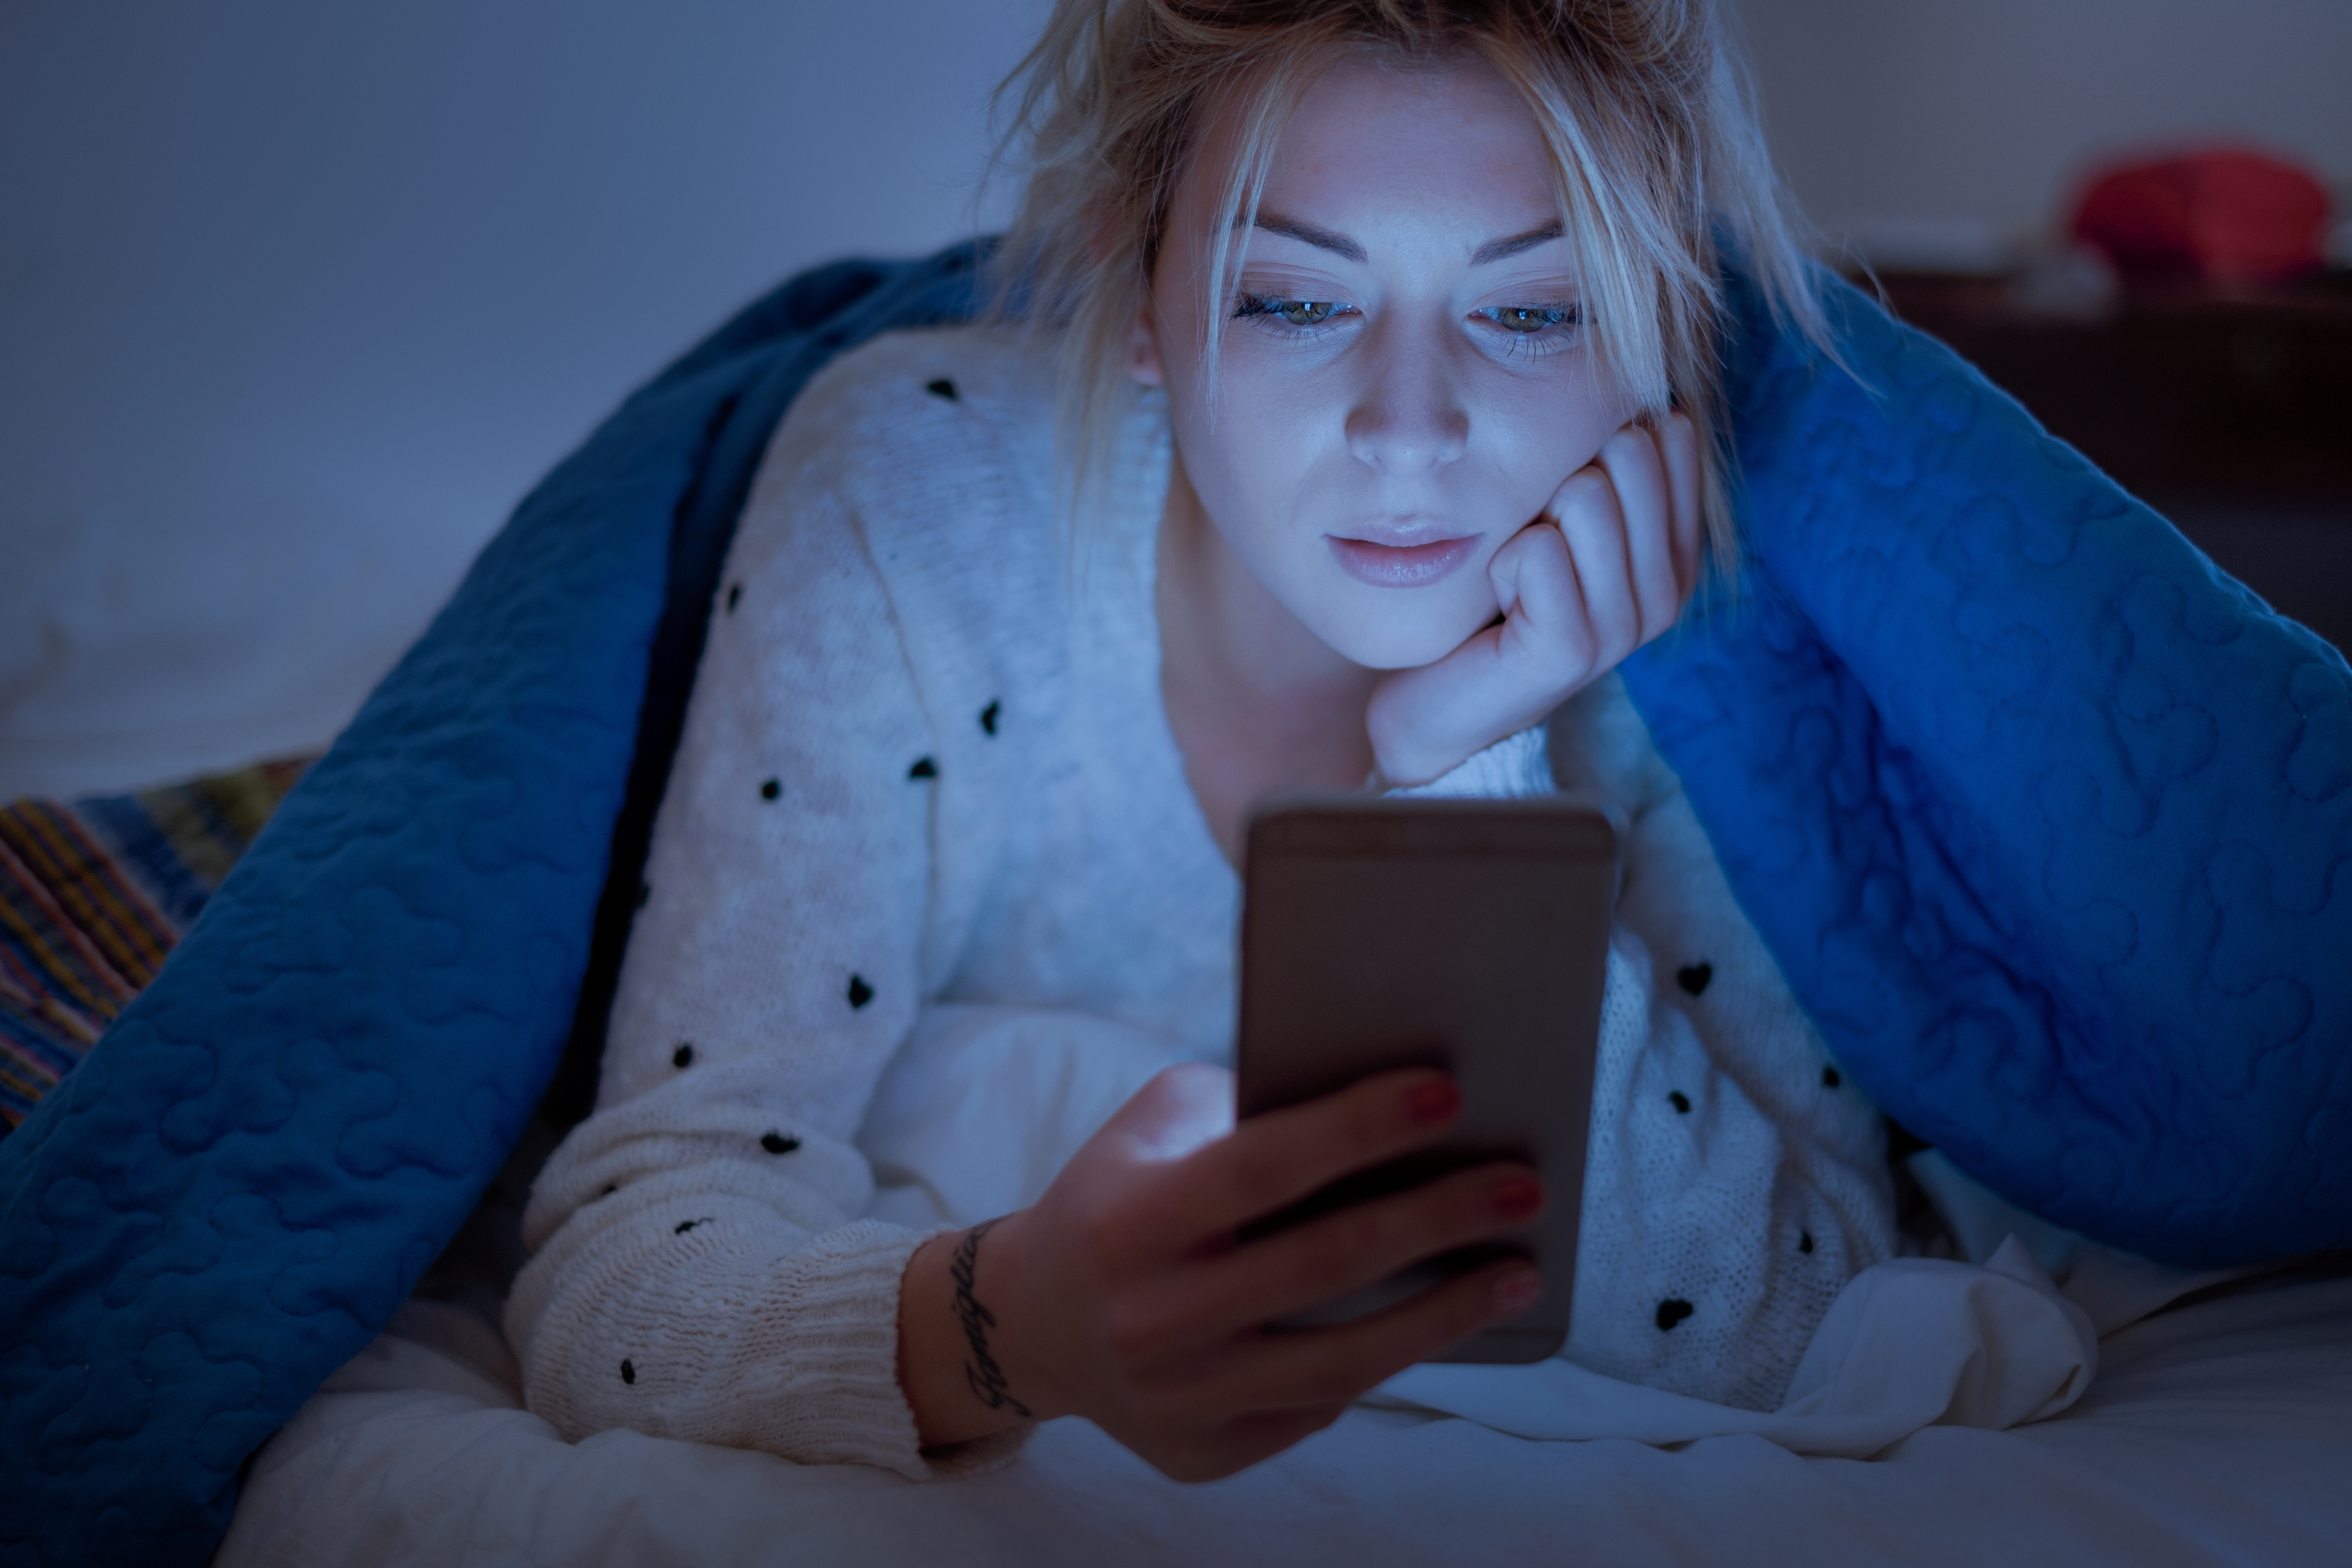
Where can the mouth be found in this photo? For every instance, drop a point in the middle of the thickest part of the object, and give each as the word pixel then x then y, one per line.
pixel 1400 565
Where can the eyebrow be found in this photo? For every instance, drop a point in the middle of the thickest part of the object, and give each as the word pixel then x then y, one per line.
pixel 1341 244
pixel 1308 234
pixel 1496 249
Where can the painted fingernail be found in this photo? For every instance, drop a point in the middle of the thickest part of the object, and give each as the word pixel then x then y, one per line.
pixel 1516 1197
pixel 1432 1102
pixel 1517 1293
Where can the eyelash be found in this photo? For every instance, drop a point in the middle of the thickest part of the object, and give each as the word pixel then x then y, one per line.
pixel 1264 306
pixel 1553 316
pixel 1272 310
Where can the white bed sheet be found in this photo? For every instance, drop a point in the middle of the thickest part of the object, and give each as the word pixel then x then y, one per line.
pixel 2219 1433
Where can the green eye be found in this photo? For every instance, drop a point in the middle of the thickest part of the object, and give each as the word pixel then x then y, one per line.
pixel 1290 312
pixel 1528 319
pixel 1305 312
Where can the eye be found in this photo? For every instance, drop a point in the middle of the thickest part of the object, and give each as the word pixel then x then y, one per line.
pixel 1290 312
pixel 1530 320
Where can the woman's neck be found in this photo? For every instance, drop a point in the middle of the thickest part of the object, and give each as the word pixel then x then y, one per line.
pixel 1257 701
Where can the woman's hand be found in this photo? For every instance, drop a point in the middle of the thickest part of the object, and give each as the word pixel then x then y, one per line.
pixel 1607 566
pixel 1124 1296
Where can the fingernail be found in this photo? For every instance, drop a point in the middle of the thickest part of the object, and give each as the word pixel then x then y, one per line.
pixel 1516 1197
pixel 1517 1293
pixel 1430 1103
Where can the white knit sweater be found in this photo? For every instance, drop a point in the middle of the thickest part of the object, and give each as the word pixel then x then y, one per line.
pixel 922 771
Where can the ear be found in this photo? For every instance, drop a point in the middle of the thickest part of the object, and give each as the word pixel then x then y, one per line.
pixel 1143 349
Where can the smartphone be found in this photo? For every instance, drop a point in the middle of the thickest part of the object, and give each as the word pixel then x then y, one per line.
pixel 1471 935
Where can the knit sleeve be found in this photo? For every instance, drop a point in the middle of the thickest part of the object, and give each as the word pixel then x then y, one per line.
pixel 1513 768
pixel 699 1269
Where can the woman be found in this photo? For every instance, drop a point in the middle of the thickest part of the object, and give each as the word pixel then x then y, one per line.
pixel 1362 415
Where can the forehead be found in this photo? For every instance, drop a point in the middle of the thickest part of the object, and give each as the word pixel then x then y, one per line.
pixel 1377 138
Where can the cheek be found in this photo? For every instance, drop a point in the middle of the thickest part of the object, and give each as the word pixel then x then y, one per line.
pixel 1541 433
pixel 1261 432
pixel 1259 455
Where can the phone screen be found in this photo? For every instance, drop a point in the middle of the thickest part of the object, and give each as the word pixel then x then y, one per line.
pixel 1471 935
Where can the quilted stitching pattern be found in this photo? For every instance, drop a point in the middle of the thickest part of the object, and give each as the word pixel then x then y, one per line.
pixel 2048 822
pixel 231 1195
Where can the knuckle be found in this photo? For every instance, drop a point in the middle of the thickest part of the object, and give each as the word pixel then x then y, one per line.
pixel 1634 446
pixel 1545 551
pixel 1580 492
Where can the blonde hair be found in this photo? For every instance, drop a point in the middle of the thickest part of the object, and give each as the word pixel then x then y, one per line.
pixel 1643 104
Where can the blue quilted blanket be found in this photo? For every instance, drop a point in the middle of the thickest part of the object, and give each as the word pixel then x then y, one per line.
pixel 2050 824
pixel 2048 821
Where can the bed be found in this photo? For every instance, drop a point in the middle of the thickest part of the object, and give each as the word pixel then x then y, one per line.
pixel 2220 1433
pixel 219 1233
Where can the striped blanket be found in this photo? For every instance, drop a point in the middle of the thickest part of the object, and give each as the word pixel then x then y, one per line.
pixel 93 895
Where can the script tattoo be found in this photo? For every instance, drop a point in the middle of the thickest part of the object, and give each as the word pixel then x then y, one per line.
pixel 989 1383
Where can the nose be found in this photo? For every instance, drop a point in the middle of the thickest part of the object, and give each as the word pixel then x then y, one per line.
pixel 1408 418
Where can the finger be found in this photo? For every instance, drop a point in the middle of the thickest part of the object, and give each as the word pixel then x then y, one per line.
pixel 1311 1368
pixel 1547 621
pixel 1502 572
pixel 1273 1277
pixel 1551 629
pixel 1679 439
pixel 1594 528
pixel 1637 472
pixel 1272 1160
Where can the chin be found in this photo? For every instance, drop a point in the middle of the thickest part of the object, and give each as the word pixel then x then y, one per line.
pixel 1393 637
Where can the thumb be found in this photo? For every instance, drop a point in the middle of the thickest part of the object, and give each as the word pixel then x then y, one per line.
pixel 1180 1109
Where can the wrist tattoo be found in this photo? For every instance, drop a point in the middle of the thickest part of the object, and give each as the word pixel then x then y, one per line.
pixel 987 1380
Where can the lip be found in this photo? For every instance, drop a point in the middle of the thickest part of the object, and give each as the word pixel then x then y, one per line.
pixel 1401 565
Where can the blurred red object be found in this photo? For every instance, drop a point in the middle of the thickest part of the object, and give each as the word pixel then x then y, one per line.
pixel 2222 215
